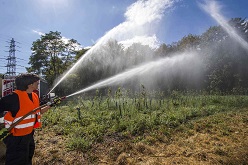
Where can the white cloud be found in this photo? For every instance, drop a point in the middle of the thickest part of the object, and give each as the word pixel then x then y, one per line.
pixel 143 40
pixel 143 12
pixel 64 39
pixel 142 17
pixel 38 32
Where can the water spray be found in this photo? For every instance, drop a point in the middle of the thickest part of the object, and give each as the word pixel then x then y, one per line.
pixel 142 70
pixel 135 19
pixel 213 9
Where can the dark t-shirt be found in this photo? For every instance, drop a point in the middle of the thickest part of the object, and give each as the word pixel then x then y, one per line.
pixel 11 103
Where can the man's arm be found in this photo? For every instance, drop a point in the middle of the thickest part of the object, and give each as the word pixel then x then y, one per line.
pixel 2 107
pixel 43 110
pixel 10 103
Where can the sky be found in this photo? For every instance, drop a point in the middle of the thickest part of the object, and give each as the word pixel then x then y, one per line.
pixel 93 21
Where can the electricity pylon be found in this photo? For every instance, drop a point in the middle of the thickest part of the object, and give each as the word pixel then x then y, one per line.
pixel 11 65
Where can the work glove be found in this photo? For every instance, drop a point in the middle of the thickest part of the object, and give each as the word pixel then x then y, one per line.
pixel 3 133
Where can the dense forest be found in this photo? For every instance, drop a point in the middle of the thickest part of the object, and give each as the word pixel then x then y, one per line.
pixel 212 62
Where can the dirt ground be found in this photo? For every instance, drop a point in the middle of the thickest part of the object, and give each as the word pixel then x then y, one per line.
pixel 213 140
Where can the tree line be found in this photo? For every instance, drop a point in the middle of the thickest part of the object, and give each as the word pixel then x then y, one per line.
pixel 211 62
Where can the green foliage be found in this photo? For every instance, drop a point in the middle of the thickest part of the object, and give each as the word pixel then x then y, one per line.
pixel 51 56
pixel 224 67
pixel 161 115
pixel 191 42
pixel 79 143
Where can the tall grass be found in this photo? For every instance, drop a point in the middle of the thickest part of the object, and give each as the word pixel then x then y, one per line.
pixel 87 120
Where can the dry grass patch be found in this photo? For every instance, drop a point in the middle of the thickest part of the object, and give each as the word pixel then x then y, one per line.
pixel 217 139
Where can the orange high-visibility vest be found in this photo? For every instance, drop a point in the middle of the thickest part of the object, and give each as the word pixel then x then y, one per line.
pixel 32 121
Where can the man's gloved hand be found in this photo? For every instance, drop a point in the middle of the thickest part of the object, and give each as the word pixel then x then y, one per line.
pixel 3 133
pixel 55 102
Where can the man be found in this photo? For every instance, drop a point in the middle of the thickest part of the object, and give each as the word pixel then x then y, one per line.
pixel 20 143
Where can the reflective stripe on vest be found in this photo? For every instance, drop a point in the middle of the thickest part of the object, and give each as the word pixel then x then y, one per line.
pixel 26 126
pixel 8 123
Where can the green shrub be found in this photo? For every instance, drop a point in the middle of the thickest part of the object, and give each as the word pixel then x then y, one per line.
pixel 137 114
pixel 79 143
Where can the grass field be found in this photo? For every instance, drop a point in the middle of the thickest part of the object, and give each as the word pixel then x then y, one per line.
pixel 146 129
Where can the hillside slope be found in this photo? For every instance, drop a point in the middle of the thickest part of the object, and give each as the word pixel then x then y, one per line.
pixel 220 138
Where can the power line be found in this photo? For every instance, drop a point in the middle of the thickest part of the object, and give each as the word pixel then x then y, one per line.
pixel 12 60
pixel 15 57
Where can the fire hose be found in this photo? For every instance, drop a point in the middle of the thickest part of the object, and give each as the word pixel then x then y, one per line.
pixel 4 132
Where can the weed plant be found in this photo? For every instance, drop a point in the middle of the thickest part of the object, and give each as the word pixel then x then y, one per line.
pixel 87 120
